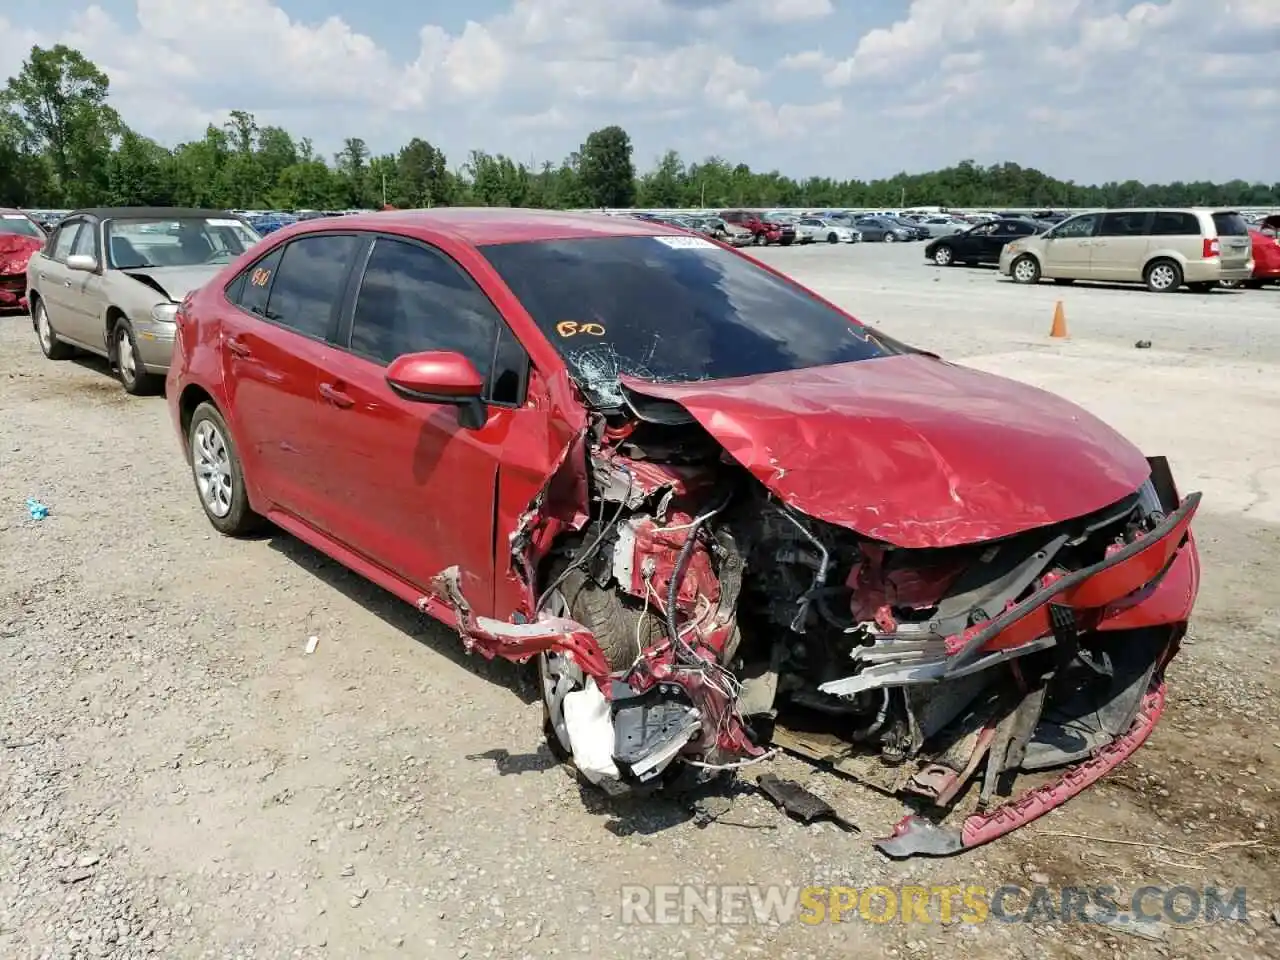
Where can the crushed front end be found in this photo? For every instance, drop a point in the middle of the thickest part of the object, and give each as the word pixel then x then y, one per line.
pixel 695 621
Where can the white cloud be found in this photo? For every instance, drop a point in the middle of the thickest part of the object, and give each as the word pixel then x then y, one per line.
pixel 1085 89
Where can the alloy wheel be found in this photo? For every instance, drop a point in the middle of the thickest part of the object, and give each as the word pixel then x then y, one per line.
pixel 211 460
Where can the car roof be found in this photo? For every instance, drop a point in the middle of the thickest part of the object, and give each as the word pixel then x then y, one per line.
pixel 149 213
pixel 480 226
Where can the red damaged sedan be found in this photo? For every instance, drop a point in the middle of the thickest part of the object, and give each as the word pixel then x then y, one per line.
pixel 722 515
pixel 20 237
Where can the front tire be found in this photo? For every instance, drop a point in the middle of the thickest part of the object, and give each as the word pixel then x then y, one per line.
pixel 943 256
pixel 50 345
pixel 890 238
pixel 832 238
pixel 124 349
pixel 218 475
pixel 616 627
pixel 1026 269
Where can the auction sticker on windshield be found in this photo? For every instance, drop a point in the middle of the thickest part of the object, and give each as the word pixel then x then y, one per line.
pixel 686 243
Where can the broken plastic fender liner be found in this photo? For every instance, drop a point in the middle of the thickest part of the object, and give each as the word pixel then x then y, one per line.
pixel 589 720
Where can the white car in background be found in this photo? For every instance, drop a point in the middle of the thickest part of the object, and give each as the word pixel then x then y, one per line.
pixel 821 230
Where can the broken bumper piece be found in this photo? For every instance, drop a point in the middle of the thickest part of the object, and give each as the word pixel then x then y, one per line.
pixel 1055 610
pixel 917 836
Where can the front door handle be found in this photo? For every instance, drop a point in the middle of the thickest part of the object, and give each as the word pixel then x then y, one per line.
pixel 336 396
pixel 237 347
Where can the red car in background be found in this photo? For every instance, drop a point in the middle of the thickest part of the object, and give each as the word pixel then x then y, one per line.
pixel 764 231
pixel 1266 252
pixel 714 508
pixel 20 237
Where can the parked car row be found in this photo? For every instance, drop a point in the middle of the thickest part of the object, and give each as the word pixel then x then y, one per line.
pixel 1163 248
pixel 623 451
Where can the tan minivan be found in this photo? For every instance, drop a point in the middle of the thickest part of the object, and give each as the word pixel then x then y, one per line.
pixel 1161 247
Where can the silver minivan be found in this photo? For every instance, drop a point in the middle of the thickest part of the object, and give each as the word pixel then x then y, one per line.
pixel 1164 248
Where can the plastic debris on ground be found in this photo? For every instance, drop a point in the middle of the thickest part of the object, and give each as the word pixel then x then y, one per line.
pixel 312 643
pixel 37 509
pixel 800 803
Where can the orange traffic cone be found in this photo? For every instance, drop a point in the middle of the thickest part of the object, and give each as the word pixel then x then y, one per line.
pixel 1059 328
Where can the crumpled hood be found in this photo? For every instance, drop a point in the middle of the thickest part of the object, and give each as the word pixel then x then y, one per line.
pixel 15 252
pixel 912 450
pixel 177 282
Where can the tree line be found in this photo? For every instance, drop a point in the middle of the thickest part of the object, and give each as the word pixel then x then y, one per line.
pixel 63 145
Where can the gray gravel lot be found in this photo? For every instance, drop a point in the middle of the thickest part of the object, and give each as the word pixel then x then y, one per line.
pixel 179 779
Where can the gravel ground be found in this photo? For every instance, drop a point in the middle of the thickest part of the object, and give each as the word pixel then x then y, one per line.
pixel 178 778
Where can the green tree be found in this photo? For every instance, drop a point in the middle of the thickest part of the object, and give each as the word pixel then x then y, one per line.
pixel 138 173
pixel 605 168
pixel 58 102
pixel 420 176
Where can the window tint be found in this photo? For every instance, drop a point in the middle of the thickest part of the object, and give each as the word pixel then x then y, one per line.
pixel 673 308
pixel 1174 223
pixel 413 299
pixel 65 238
pixel 1077 226
pixel 1230 225
pixel 309 283
pixel 1023 229
pixel 1125 224
pixel 86 241
pixel 250 291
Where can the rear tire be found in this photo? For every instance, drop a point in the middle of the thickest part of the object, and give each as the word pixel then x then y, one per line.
pixel 1162 276
pixel 218 475
pixel 50 345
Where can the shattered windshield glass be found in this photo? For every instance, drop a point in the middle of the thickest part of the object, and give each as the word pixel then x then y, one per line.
pixel 672 309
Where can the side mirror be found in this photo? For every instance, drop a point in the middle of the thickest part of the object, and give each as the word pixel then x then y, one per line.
pixel 82 262
pixel 440 376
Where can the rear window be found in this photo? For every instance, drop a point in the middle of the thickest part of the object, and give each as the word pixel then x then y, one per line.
pixel 673 309
pixel 1230 225
pixel 17 223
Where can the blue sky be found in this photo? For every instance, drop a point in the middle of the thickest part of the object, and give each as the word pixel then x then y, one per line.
pixel 1089 90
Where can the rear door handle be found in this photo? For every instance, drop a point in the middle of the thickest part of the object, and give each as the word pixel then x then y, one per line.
pixel 336 396
pixel 237 347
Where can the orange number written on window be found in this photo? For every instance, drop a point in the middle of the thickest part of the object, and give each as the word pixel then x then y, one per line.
pixel 571 328
pixel 260 277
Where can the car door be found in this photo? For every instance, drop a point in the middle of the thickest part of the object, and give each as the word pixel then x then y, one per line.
pixel 968 246
pixel 273 344
pixel 1120 245
pixel 412 487
pixel 1068 248
pixel 870 229
pixel 993 241
pixel 84 291
pixel 53 279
